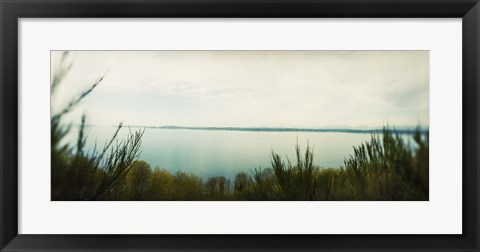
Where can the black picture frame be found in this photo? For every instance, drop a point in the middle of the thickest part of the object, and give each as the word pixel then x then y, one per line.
pixel 12 10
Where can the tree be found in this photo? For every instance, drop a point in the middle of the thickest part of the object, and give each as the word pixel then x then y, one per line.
pixel 137 180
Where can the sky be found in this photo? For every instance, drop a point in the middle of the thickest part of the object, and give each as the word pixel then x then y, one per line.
pixel 299 89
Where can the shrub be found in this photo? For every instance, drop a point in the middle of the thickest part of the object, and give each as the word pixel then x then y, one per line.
pixel 187 187
pixel 216 188
pixel 77 174
pixel 389 169
pixel 161 185
pixel 242 180
pixel 138 181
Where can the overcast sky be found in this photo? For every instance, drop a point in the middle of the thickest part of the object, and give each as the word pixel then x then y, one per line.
pixel 249 88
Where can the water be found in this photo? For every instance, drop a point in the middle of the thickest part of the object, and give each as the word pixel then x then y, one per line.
pixel 208 153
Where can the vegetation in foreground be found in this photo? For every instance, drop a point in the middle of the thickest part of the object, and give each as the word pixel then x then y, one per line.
pixel 384 168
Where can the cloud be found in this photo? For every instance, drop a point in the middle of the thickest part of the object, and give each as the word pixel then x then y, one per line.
pixel 252 88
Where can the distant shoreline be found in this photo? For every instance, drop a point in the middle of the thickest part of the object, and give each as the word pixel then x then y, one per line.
pixel 266 129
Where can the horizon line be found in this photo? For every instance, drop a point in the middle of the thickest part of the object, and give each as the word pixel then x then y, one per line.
pixel 402 129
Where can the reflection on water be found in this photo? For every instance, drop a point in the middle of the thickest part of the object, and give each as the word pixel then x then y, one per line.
pixel 213 153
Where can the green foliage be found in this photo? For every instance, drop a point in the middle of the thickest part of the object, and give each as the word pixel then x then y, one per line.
pixel 296 182
pixel 161 185
pixel 121 159
pixel 242 181
pixel 264 186
pixel 137 181
pixel 188 187
pixel 332 184
pixel 389 169
pixel 385 168
pixel 77 174
pixel 216 188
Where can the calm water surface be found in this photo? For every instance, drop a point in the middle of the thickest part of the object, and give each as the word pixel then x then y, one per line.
pixel 212 153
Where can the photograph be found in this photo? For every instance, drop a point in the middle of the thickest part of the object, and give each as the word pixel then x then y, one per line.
pixel 240 125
